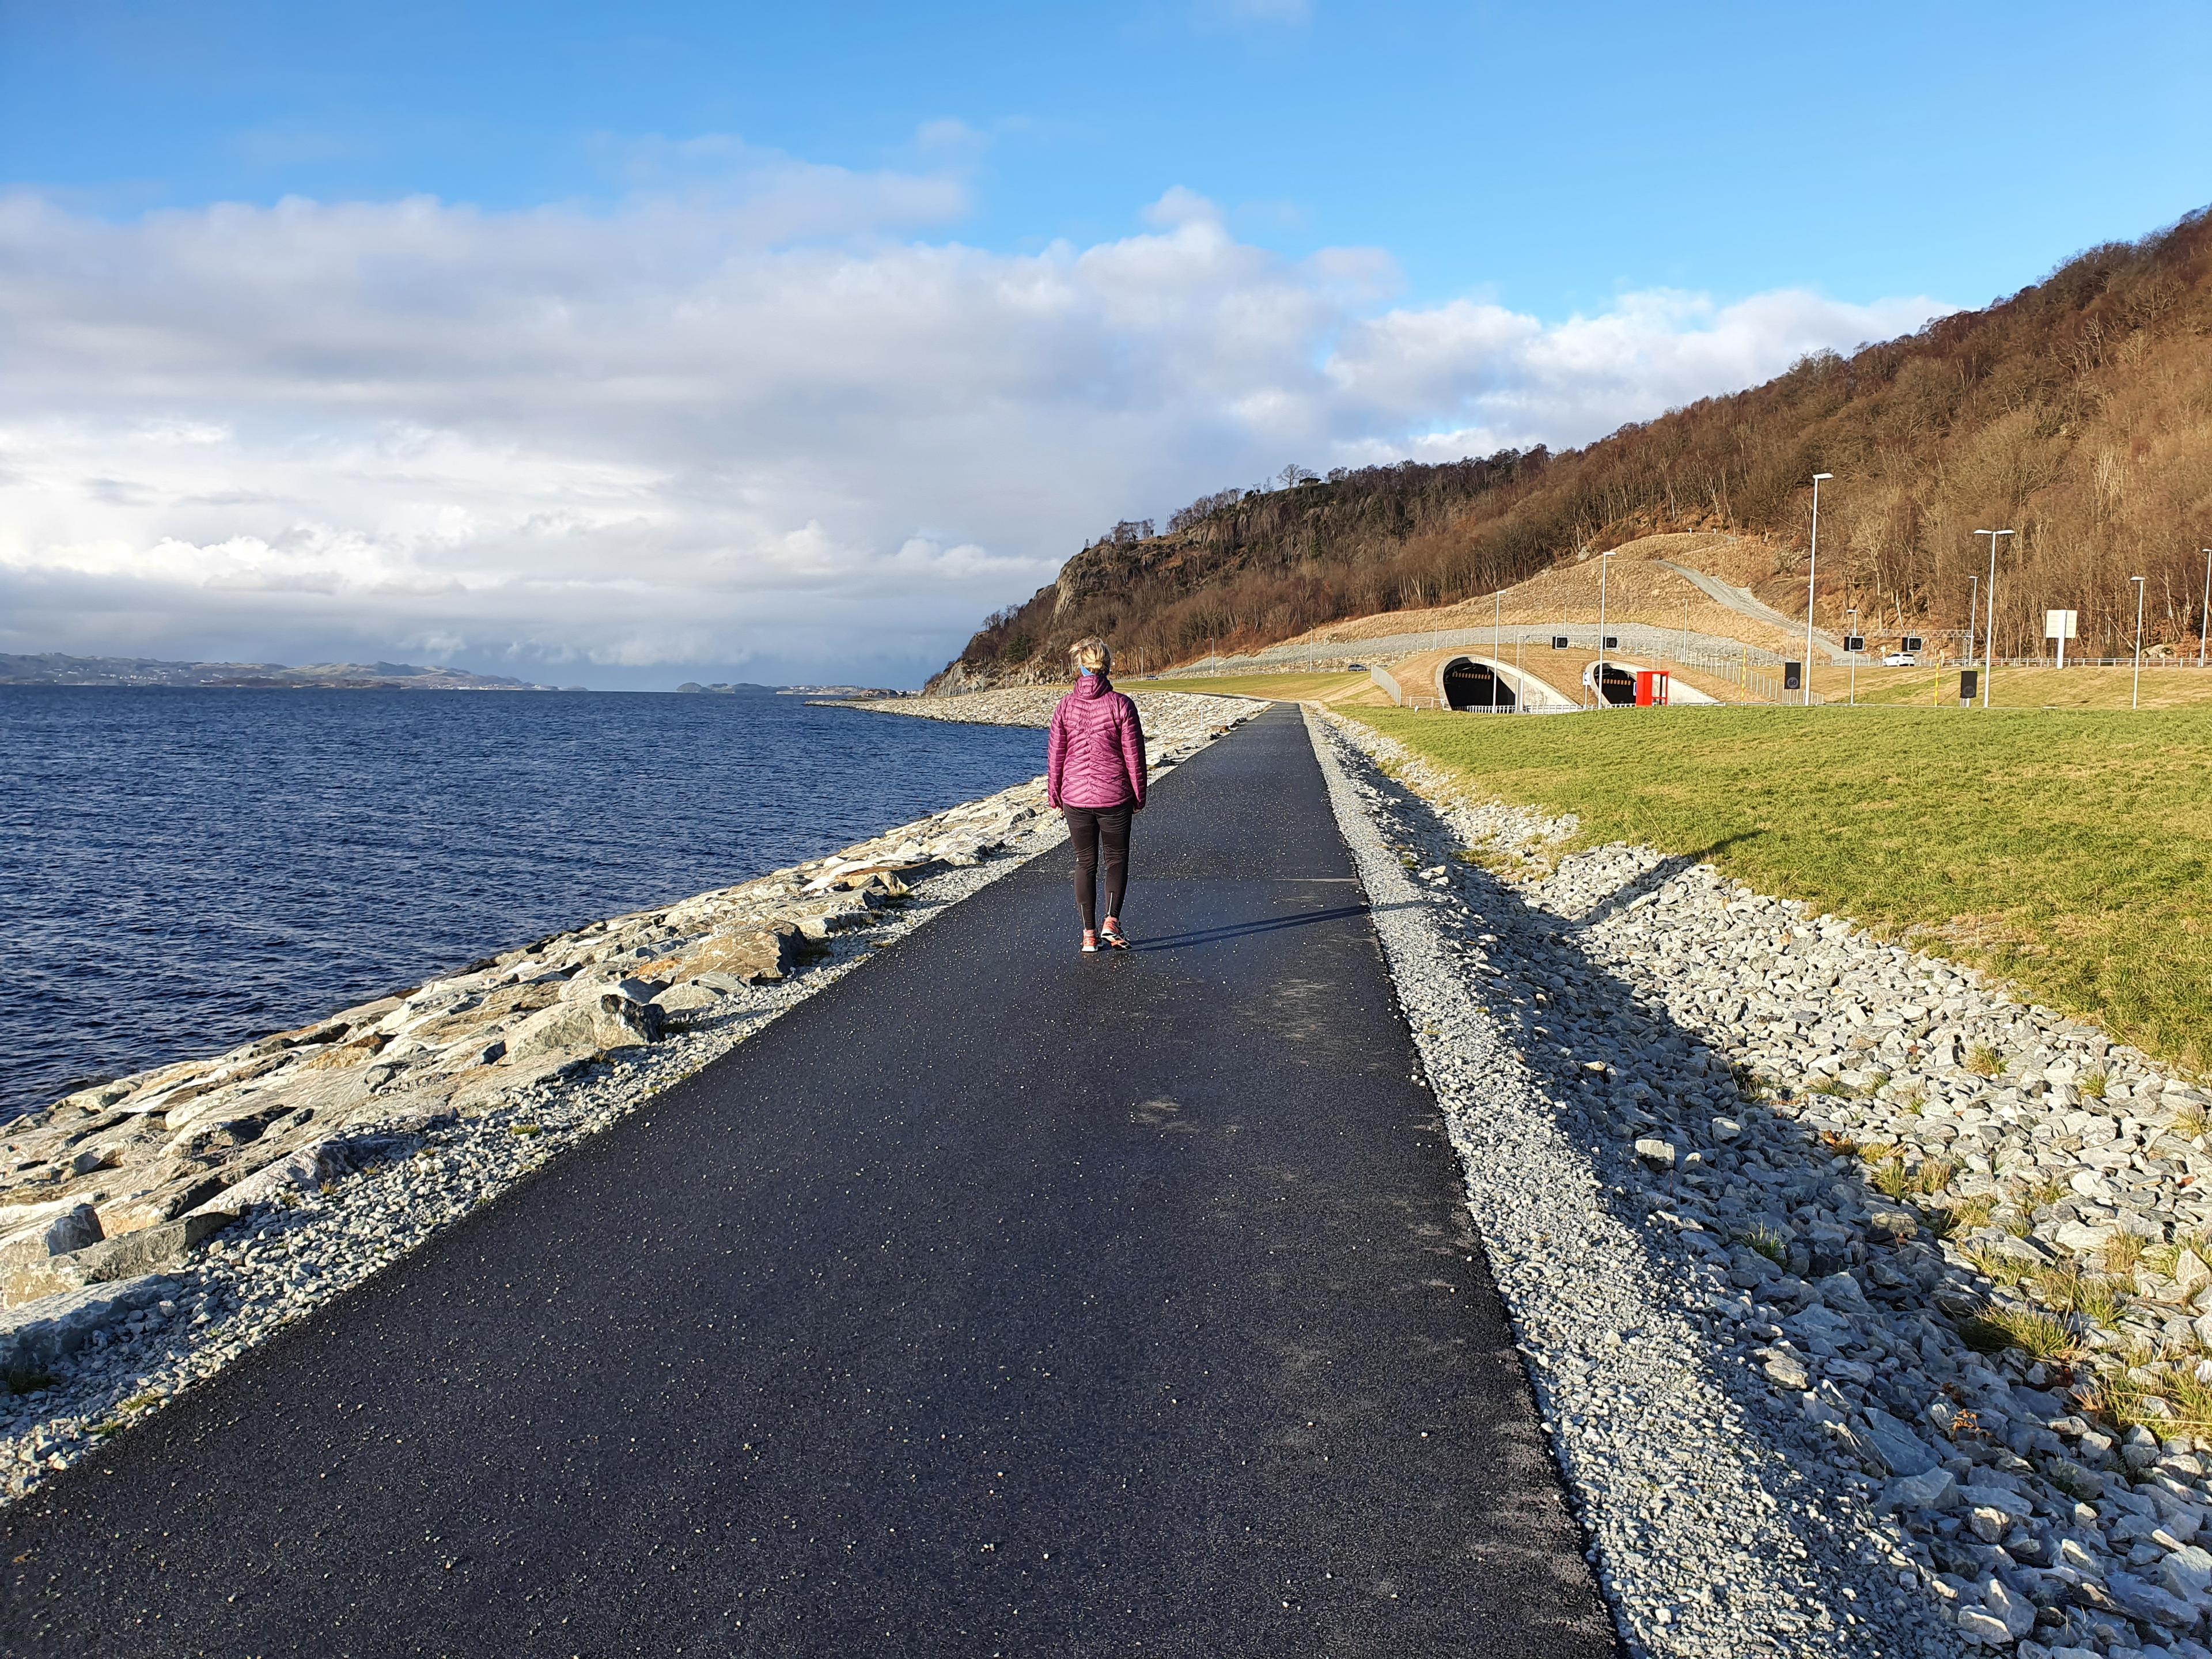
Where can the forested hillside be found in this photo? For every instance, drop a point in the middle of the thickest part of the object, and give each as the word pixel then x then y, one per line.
pixel 2078 411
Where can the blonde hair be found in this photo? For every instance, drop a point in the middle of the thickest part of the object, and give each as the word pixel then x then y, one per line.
pixel 1093 653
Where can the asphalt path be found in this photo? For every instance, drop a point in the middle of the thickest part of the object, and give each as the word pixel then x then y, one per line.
pixel 999 1300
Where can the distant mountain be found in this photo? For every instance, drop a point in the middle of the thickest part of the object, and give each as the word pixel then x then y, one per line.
pixel 50 668
pixel 730 689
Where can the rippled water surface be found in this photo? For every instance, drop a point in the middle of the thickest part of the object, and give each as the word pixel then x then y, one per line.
pixel 180 871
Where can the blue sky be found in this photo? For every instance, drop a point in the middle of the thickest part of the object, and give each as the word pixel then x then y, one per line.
pixel 635 344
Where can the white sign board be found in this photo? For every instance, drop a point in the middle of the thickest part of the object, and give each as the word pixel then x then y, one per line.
pixel 2059 625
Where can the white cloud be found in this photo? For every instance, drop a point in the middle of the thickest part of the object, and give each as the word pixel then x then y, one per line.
pixel 746 418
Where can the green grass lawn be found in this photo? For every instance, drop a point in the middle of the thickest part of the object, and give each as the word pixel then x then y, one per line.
pixel 2070 853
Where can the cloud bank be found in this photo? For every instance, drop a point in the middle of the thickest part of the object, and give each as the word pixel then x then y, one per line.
pixel 757 420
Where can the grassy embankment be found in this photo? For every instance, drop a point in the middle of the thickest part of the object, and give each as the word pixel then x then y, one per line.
pixel 2071 853
pixel 2026 688
pixel 1335 690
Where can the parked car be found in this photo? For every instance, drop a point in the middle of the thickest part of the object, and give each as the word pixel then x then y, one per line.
pixel 1900 660
pixel 1355 668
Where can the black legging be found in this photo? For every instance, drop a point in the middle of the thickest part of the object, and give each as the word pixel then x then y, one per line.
pixel 1087 826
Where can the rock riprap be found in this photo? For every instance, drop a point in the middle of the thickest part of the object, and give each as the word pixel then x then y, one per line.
pixel 1162 712
pixel 1869 1308
pixel 153 1227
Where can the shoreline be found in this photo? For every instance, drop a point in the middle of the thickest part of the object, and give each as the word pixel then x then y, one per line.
pixel 1766 1198
pixel 154 1228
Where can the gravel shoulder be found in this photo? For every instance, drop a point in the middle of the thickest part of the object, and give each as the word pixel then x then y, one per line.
pixel 154 1229
pixel 1766 1198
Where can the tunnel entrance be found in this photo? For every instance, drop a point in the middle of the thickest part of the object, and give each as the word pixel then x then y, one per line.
pixel 1471 684
pixel 1615 684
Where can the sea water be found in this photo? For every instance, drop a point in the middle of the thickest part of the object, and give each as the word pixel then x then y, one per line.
pixel 183 869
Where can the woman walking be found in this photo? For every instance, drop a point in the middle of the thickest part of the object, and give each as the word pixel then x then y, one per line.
pixel 1095 774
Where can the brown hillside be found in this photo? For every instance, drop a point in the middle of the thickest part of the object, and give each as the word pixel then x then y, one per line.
pixel 2078 411
pixel 1638 589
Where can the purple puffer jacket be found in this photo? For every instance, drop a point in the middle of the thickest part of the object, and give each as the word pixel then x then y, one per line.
pixel 1095 756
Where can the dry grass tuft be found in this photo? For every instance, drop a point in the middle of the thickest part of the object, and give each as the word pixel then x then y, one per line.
pixel 2041 1336
pixel 2096 1298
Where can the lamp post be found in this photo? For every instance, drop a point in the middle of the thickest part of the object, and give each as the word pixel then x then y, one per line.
pixel 1812 576
pixel 2135 702
pixel 1497 625
pixel 1854 656
pixel 1603 565
pixel 1973 603
pixel 2204 610
pixel 1990 633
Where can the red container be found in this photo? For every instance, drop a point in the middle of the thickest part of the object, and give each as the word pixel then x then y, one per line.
pixel 1650 687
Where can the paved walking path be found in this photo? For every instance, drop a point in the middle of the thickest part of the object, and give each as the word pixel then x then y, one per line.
pixel 997 1300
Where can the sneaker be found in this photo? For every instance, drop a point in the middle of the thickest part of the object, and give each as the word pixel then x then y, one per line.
pixel 1115 937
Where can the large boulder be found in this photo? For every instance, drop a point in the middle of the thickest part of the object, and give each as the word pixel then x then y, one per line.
pixel 69 1227
pixel 609 1020
pixel 310 1169
pixel 132 1255
pixel 759 953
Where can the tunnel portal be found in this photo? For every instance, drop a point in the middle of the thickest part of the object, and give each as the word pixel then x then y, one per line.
pixel 1615 684
pixel 1471 684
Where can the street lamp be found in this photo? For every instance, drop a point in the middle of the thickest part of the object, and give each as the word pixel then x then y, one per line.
pixel 1602 566
pixel 1812 576
pixel 1990 633
pixel 1496 625
pixel 2135 702
pixel 2204 612
pixel 1853 655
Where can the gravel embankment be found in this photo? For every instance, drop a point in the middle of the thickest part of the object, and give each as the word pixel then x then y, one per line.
pixel 154 1229
pixel 1748 1192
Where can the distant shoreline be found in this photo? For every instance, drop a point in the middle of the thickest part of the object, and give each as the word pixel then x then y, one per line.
pixel 267 685
pixel 52 668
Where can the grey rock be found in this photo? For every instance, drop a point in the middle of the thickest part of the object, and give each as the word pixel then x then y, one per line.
pixel 605 1020
pixel 2003 1500
pixel 36 1335
pixel 2186 1573
pixel 55 1234
pixel 127 1255
pixel 2016 1612
pixel 309 1170
pixel 1983 1625
pixel 685 999
pixel 2145 1600
pixel 1841 1291
pixel 1785 1369
pixel 1893 1445
pixel 1931 1489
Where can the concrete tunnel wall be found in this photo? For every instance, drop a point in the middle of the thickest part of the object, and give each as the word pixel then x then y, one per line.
pixel 1529 694
pixel 1677 694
